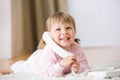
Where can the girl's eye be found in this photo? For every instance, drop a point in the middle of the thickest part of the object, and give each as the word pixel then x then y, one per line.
pixel 58 29
pixel 68 28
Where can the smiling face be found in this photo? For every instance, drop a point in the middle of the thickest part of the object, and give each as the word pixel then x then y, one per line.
pixel 62 27
pixel 63 34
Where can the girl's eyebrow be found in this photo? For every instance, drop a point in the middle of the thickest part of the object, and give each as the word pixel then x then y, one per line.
pixel 57 27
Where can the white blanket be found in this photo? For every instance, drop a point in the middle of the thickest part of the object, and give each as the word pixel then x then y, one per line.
pixel 30 76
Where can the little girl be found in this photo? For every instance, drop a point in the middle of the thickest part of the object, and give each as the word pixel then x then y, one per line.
pixel 45 61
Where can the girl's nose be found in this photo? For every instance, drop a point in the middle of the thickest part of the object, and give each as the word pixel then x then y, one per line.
pixel 64 31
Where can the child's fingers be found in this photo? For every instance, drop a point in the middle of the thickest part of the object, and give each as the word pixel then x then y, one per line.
pixel 75 68
pixel 73 58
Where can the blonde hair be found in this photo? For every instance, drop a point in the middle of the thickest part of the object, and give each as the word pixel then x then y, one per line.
pixel 58 17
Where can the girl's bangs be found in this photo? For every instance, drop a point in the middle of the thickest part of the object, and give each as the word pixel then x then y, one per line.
pixel 59 20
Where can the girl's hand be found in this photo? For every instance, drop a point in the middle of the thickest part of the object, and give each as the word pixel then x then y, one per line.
pixel 67 61
pixel 75 66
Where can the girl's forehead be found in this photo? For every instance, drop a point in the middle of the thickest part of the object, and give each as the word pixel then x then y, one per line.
pixel 62 24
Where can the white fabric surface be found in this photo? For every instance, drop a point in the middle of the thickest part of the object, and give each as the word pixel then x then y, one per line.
pixel 26 66
pixel 83 76
pixel 30 76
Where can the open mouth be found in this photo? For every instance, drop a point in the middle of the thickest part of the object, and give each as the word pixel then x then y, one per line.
pixel 65 39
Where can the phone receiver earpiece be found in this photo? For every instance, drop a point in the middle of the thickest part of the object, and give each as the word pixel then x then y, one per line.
pixel 47 37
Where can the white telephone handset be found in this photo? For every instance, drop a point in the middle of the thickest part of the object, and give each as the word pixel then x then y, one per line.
pixel 47 37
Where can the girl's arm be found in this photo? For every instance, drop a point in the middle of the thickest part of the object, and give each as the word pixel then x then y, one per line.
pixel 48 64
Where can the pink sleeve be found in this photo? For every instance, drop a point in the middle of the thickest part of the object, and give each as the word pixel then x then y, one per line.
pixel 47 64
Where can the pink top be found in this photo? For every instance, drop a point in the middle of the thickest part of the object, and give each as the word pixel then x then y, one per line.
pixel 48 63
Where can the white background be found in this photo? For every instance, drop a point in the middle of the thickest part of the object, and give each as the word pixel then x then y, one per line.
pixel 97 21
pixel 5 29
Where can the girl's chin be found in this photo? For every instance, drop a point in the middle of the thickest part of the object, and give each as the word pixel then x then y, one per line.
pixel 66 46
